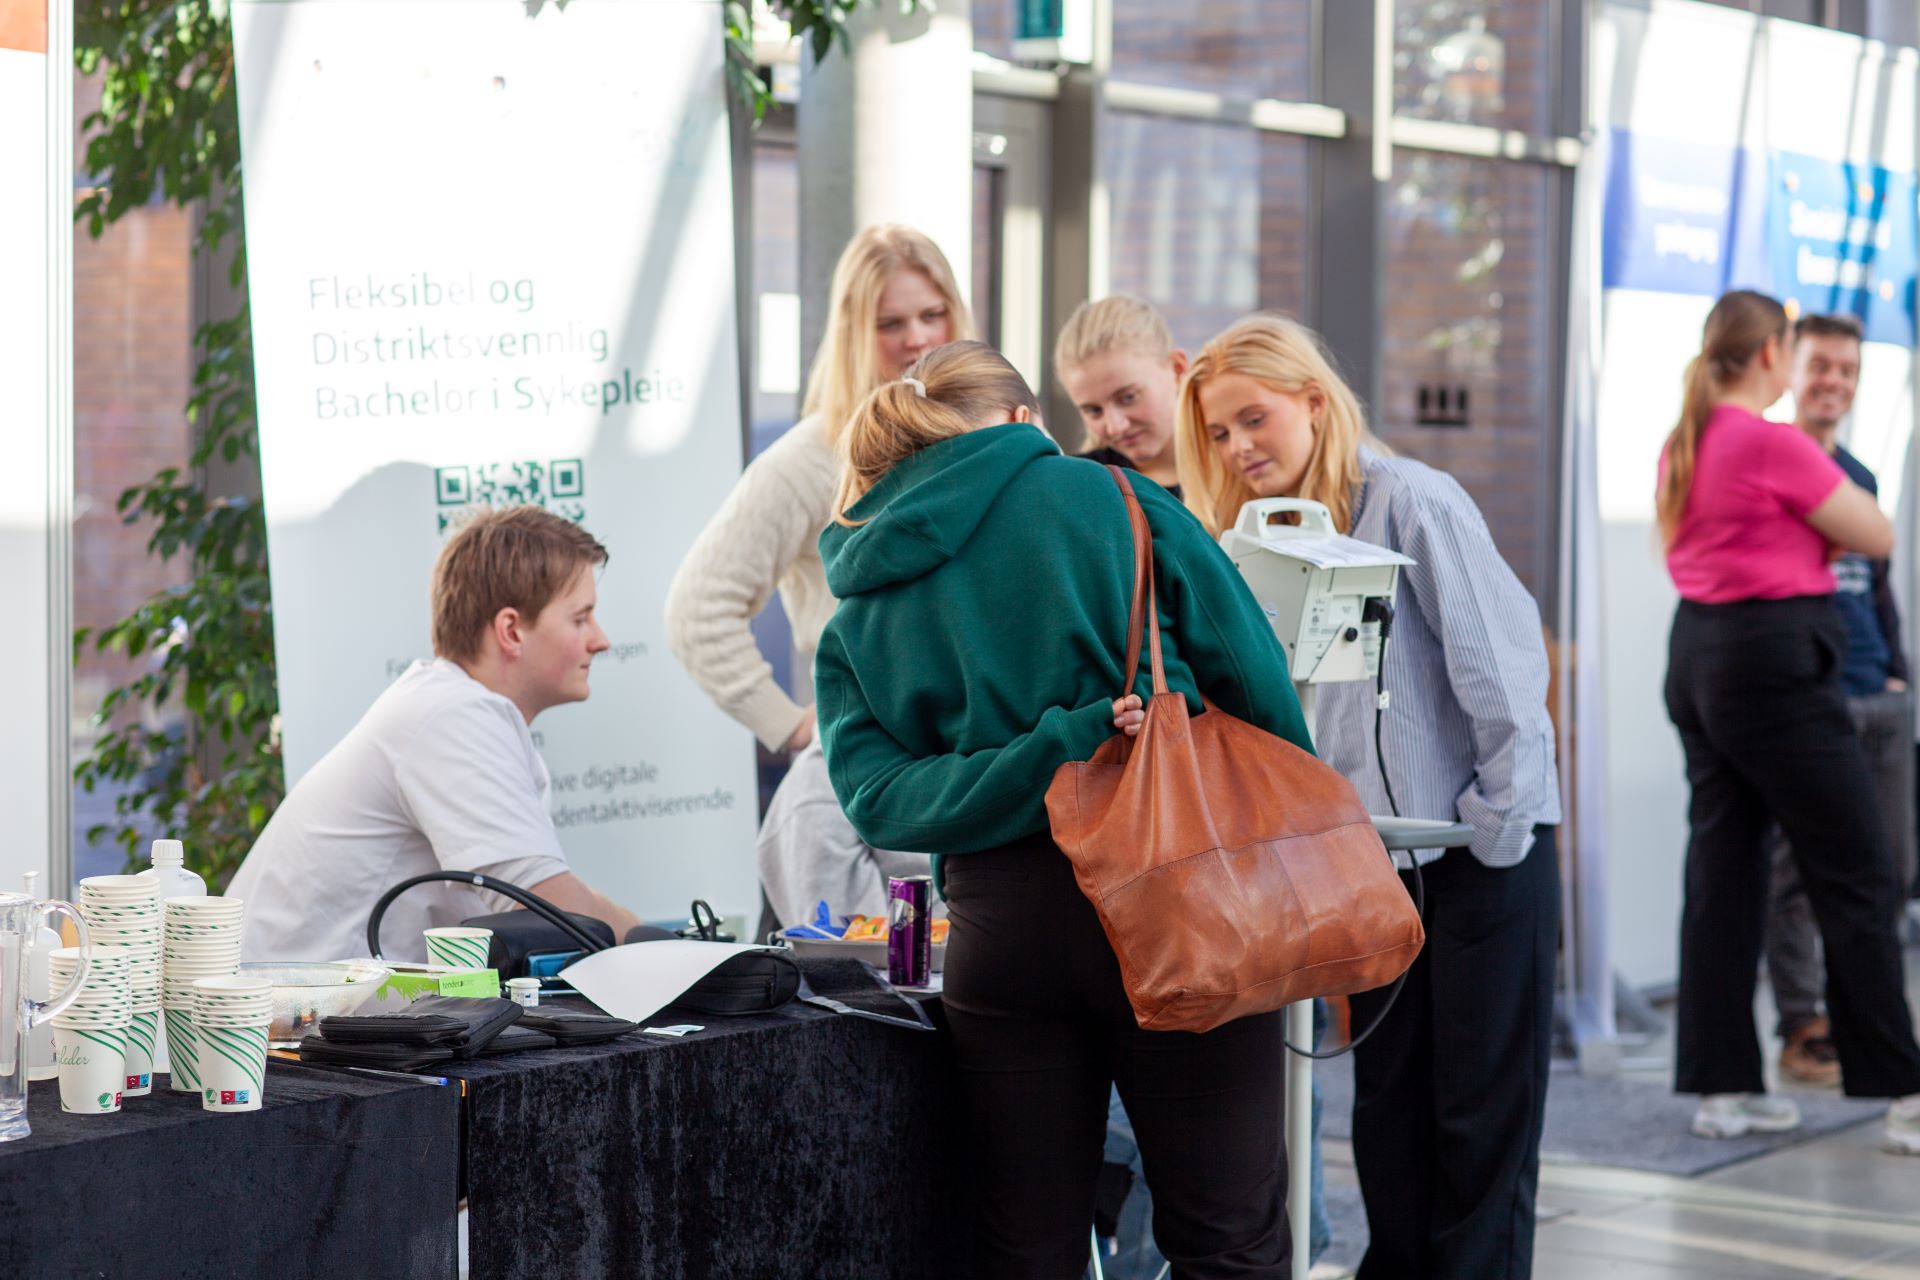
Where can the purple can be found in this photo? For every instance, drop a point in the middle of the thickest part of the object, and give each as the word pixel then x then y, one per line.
pixel 910 930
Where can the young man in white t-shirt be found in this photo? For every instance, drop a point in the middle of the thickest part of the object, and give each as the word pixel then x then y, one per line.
pixel 441 773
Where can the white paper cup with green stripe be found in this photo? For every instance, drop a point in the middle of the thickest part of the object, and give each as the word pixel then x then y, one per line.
pixel 232 1062
pixel 183 1044
pixel 461 947
pixel 142 1033
pixel 93 1063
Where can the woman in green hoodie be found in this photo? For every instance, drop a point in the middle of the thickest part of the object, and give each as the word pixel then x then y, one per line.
pixel 984 584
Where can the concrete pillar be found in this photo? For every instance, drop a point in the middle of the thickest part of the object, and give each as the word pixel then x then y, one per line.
pixel 886 135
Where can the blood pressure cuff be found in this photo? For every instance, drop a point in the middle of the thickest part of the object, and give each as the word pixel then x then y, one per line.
pixel 458 1026
pixel 523 940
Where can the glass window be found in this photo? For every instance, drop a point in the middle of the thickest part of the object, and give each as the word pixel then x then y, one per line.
pixel 1242 48
pixel 989 198
pixel 1209 221
pixel 1466 348
pixel 780 367
pixel 132 374
pixel 993 27
pixel 1484 62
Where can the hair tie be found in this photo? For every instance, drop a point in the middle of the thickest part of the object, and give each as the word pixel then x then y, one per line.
pixel 919 387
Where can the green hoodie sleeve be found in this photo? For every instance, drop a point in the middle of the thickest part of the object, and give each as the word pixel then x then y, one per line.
pixel 953 803
pixel 1223 635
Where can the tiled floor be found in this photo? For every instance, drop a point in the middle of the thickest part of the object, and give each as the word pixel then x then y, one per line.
pixel 1833 1207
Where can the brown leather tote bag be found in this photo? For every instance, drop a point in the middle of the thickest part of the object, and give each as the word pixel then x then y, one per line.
pixel 1233 872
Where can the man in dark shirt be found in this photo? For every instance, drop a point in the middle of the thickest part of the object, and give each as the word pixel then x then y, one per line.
pixel 1873 671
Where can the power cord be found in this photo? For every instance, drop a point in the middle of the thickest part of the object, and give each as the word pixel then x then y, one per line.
pixel 1380 611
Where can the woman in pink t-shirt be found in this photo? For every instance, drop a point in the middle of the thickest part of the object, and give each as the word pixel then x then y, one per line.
pixel 1752 513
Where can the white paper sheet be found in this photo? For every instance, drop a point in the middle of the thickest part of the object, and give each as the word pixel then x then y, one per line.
pixel 639 979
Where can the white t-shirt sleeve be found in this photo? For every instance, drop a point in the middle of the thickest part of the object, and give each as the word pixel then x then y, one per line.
pixel 475 790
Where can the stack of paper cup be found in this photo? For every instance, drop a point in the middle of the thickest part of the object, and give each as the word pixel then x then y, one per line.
pixel 122 911
pixel 230 1021
pixel 459 947
pixel 90 1036
pixel 202 940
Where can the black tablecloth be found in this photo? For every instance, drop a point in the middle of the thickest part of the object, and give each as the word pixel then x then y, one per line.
pixel 336 1175
pixel 792 1144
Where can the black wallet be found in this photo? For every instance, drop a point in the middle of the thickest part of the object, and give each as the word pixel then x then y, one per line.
pixel 517 1038
pixel 457 1026
pixel 384 1057
pixel 568 1027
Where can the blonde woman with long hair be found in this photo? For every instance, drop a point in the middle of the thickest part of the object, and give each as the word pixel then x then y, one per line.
pixel 894 298
pixel 1751 513
pixel 1450 1091
pixel 985 583
pixel 1117 361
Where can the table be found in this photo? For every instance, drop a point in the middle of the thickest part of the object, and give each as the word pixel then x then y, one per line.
pixel 795 1144
pixel 336 1175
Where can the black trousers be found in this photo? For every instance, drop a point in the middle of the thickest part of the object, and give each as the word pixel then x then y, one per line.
pixel 1753 688
pixel 1041 1031
pixel 1450 1093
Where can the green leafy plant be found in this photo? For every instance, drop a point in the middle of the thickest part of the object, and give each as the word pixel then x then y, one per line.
pixel 168 127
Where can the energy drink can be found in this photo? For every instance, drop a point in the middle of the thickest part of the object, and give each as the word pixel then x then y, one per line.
pixel 910 930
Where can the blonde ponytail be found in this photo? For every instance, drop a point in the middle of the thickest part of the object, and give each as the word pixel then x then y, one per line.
pixel 1737 328
pixel 948 392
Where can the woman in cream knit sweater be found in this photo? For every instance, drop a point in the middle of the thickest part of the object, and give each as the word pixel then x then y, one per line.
pixel 894 299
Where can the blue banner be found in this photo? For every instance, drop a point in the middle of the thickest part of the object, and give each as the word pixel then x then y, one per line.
pixel 1821 235
pixel 1845 238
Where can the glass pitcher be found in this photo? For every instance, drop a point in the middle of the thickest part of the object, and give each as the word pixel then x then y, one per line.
pixel 20 918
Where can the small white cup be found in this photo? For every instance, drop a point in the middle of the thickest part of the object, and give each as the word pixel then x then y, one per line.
pixel 142 1033
pixel 232 1063
pixel 459 947
pixel 93 1064
pixel 183 1041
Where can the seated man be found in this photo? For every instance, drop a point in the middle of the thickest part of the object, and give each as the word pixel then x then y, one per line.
pixel 441 773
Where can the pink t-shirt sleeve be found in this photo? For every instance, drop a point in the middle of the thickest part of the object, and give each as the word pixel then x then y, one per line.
pixel 1799 472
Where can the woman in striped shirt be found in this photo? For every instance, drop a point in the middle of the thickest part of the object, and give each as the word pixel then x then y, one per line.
pixel 1450 1093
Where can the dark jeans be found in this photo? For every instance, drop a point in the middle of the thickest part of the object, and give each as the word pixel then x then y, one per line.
pixel 1041 1027
pixel 1450 1093
pixel 1794 967
pixel 1753 689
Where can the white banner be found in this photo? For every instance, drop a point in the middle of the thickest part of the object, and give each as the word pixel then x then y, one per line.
pixel 490 259
pixel 27 319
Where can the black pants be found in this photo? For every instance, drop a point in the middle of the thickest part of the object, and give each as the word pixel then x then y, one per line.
pixel 1753 689
pixel 1451 1092
pixel 1041 1030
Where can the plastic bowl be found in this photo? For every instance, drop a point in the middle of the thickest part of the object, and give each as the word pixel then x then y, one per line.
pixel 304 993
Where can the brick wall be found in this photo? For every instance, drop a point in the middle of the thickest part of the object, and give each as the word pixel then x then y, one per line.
pixel 1469 252
pixel 1209 221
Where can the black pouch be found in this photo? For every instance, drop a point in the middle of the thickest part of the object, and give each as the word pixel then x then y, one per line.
pixel 526 945
pixel 383 1057
pixel 751 982
pixel 569 1027
pixel 459 1026
pixel 516 1039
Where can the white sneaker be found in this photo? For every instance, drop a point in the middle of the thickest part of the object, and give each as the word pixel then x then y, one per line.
pixel 1903 1126
pixel 1734 1115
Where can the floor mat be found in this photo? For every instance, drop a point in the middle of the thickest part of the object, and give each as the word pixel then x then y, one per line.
pixel 1629 1124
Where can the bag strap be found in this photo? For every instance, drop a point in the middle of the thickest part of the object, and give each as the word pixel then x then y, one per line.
pixel 1145 598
